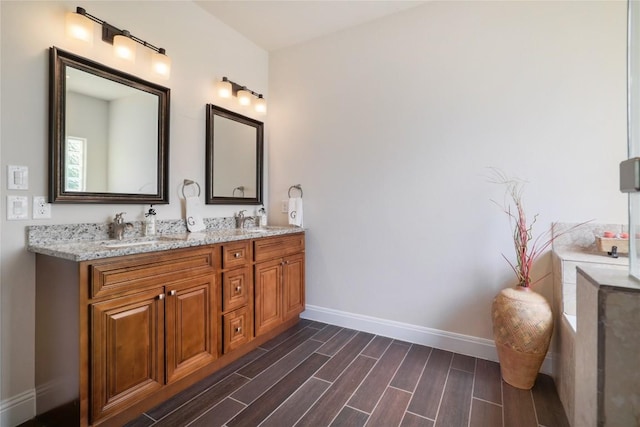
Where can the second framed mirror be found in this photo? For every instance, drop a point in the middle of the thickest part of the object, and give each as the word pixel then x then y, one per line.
pixel 234 157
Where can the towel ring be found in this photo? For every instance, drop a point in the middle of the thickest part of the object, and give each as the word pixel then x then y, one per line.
pixel 187 182
pixel 297 187
pixel 240 189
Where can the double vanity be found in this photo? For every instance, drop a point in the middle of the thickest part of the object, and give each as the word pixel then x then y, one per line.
pixel 123 325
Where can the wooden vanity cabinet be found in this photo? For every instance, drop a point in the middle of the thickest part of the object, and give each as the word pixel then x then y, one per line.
pixel 154 331
pixel 117 336
pixel 279 281
pixel 141 341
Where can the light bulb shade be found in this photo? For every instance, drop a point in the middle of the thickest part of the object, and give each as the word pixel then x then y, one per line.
pixel 244 97
pixel 260 104
pixel 161 64
pixel 223 89
pixel 79 27
pixel 124 47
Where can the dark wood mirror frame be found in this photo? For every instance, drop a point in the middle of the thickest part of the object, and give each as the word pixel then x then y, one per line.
pixel 58 61
pixel 212 111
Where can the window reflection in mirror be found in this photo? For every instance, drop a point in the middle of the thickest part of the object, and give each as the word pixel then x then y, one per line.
pixel 75 164
pixel 234 158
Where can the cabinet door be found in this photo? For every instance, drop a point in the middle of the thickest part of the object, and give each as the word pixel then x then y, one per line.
pixel 127 350
pixel 190 326
pixel 268 296
pixel 293 286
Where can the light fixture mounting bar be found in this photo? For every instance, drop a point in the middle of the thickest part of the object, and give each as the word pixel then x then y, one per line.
pixel 109 31
pixel 235 87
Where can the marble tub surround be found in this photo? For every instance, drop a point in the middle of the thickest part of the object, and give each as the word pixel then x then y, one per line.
pixel 583 238
pixel 607 349
pixel 82 242
pixel 570 251
pixel 578 248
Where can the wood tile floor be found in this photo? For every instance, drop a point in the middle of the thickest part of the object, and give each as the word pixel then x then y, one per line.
pixel 323 375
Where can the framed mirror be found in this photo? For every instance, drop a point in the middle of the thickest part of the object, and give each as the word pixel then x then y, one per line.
pixel 234 158
pixel 109 134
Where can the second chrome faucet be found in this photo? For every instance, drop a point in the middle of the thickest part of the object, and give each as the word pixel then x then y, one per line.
pixel 119 226
pixel 241 219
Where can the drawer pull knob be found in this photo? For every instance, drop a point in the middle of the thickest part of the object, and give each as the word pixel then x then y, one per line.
pixel 238 288
pixel 161 296
pixel 237 255
pixel 172 293
pixel 238 329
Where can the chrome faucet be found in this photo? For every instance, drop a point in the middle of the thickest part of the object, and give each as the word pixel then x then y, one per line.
pixel 244 221
pixel 119 226
pixel 240 219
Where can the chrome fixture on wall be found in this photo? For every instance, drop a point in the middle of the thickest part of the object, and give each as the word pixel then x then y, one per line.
pixel 240 189
pixel 226 88
pixel 79 26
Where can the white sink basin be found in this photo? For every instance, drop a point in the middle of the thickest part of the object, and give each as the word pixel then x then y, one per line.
pixel 256 230
pixel 127 244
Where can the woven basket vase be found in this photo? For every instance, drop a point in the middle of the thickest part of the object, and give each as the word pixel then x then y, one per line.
pixel 522 328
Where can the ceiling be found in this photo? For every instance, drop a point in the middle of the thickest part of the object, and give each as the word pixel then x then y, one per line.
pixel 274 25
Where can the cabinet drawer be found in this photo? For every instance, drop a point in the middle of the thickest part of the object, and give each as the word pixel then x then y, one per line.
pixel 114 276
pixel 236 329
pixel 236 254
pixel 279 246
pixel 236 287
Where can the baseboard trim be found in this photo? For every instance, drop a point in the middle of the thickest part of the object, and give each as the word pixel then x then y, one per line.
pixel 458 343
pixel 18 409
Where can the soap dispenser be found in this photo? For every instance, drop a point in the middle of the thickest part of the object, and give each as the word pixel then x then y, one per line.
pixel 150 222
pixel 262 215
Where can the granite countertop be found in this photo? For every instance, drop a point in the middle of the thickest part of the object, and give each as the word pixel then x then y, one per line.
pixel 86 249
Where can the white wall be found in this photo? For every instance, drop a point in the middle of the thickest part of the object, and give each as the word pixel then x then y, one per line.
pixel 390 126
pixel 202 50
pixel 133 147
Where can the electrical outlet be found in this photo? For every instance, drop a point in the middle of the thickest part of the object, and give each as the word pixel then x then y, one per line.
pixel 284 208
pixel 41 209
pixel 17 207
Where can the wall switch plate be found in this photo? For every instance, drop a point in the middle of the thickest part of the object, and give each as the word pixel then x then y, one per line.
pixel 41 209
pixel 284 208
pixel 17 177
pixel 17 207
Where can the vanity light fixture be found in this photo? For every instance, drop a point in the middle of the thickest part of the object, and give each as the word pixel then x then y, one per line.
pixel 261 104
pixel 244 97
pixel 226 88
pixel 124 47
pixel 79 26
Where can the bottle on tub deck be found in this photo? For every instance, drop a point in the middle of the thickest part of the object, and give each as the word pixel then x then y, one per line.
pixel 150 222
pixel 262 216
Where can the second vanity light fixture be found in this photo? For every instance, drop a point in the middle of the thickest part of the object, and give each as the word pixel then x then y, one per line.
pixel 79 25
pixel 226 88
